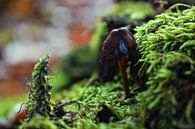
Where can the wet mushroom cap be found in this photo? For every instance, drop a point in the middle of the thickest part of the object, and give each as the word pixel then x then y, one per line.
pixel 127 37
pixel 107 52
pixel 118 43
pixel 131 44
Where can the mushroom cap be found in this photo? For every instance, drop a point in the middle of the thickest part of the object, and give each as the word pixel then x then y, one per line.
pixel 118 43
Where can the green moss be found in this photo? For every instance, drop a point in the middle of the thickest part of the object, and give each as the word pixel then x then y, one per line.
pixel 92 98
pixel 167 53
pixel 168 32
pixel 39 97
pixel 133 9
pixel 38 122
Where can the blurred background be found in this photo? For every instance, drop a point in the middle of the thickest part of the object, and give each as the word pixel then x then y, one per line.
pixel 32 28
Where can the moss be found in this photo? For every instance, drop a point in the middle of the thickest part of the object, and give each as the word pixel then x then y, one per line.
pixel 39 97
pixel 133 9
pixel 168 32
pixel 167 53
pixel 91 100
pixel 38 122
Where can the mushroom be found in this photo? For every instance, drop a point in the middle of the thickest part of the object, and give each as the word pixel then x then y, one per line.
pixel 118 47
pixel 160 5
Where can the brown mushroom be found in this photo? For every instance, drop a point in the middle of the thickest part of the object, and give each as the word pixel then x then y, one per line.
pixel 118 47
pixel 160 5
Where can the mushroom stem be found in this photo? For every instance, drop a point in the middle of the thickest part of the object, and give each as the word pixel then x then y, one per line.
pixel 122 68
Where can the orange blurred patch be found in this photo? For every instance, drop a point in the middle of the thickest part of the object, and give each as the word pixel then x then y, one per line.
pixel 79 34
pixel 23 8
pixel 10 87
pixel 74 3
pixel 21 70
pixel 19 116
